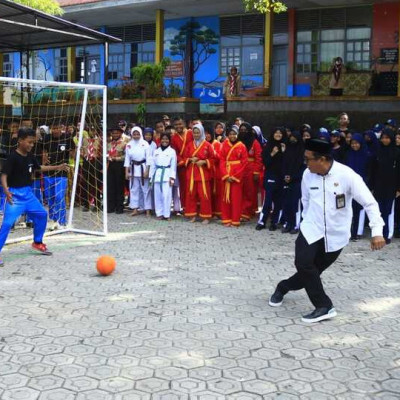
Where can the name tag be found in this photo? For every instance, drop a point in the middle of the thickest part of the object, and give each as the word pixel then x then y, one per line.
pixel 314 188
pixel 340 201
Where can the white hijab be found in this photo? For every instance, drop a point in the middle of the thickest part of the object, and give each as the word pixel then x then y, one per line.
pixel 141 140
pixel 202 134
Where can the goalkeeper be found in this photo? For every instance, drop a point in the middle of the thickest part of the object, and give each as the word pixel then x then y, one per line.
pixel 16 180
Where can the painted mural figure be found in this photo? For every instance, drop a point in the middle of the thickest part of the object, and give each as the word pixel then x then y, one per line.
pixel 233 83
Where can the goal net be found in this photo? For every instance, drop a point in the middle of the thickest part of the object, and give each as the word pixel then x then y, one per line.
pixel 70 121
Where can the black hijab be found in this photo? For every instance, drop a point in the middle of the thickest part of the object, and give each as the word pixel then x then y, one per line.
pixel 247 138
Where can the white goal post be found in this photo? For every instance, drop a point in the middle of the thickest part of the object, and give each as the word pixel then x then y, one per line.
pixel 41 103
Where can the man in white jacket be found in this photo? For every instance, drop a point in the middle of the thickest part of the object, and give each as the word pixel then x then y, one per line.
pixel 328 189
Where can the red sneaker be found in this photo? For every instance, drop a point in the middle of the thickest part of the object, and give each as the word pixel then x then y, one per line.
pixel 41 248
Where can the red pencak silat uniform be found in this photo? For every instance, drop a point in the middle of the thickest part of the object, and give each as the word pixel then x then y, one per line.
pixel 198 179
pixel 179 144
pixel 216 181
pixel 233 161
pixel 251 180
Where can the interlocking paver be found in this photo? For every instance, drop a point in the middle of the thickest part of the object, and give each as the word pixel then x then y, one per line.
pixel 190 320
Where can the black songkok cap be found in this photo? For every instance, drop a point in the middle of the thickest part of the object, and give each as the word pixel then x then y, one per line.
pixel 319 146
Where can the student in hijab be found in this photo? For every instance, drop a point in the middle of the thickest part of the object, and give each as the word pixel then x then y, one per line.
pixel 323 134
pixel 259 136
pixel 371 142
pixel 386 180
pixel 358 159
pixel 252 171
pixel 336 83
pixel 198 160
pixel 216 182
pixel 233 161
pixel 137 165
pixel 293 168
pixel 162 176
pixel 219 131
pixel 272 157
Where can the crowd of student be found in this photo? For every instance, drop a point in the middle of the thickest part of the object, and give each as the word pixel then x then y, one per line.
pixel 227 172
pixel 214 171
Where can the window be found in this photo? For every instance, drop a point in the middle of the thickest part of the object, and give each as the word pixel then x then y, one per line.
pixel 8 65
pixel 329 33
pixel 61 65
pixel 242 42
pixel 307 52
pixel 138 47
pixel 246 53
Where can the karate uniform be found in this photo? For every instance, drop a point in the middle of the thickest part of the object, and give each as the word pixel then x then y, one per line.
pixel 137 159
pixel 162 169
pixel 198 179
pixel 233 161
pixel 179 144
pixel 250 185
pixel 216 182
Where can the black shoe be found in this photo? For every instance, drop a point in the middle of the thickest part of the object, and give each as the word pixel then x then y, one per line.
pixel 272 227
pixel 319 314
pixel 119 212
pixel 276 299
pixel 110 211
pixel 294 231
pixel 388 241
pixel 286 229
pixel 354 238
pixel 260 227
pixel 29 224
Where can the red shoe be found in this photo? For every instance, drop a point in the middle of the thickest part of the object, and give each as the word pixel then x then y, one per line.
pixel 41 248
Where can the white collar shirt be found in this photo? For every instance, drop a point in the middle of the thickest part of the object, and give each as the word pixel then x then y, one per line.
pixel 321 216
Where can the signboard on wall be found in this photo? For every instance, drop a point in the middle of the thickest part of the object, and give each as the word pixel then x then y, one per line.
pixel 389 56
pixel 174 70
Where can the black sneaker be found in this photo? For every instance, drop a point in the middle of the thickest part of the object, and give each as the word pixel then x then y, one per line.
pixel 388 241
pixel 294 231
pixel 286 229
pixel 319 314
pixel 276 299
pixel 260 227
pixel 272 227
pixel 354 239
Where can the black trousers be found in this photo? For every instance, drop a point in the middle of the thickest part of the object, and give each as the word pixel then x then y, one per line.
pixel 273 198
pixel 310 261
pixel 115 186
pixel 91 182
pixel 356 218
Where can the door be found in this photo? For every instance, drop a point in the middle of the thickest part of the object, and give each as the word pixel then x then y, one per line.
pixel 279 71
pixel 88 69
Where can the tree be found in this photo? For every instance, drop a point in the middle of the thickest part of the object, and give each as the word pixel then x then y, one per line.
pixel 264 6
pixel 47 6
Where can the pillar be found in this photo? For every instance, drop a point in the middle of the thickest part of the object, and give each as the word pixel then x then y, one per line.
pixel 71 64
pixel 292 52
pixel 159 35
pixel 268 39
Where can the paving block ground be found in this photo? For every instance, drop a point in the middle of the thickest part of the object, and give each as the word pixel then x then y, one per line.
pixel 186 316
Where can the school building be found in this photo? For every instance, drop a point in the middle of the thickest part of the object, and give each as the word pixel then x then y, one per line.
pixel 283 58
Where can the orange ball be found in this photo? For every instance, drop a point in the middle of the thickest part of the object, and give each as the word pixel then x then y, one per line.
pixel 105 265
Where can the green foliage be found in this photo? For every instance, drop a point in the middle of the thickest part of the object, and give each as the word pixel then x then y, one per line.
pixel 47 6
pixel 332 123
pixel 150 78
pixel 264 6
pixel 141 114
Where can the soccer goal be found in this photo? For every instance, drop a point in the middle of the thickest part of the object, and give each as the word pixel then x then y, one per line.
pixel 70 122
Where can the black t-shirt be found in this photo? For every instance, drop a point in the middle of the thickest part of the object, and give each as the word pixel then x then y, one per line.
pixel 19 169
pixel 58 151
